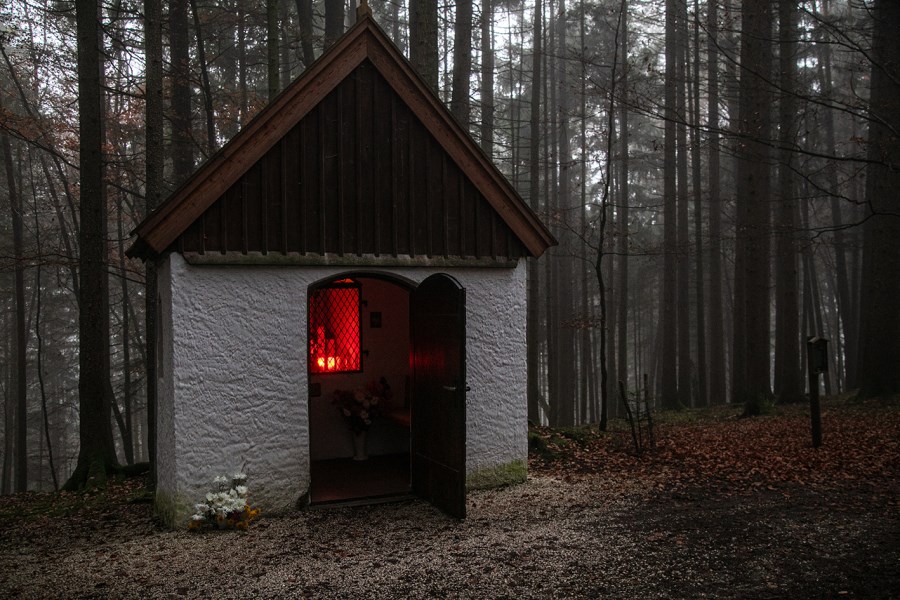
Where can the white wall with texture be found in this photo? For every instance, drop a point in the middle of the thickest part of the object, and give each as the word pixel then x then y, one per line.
pixel 233 389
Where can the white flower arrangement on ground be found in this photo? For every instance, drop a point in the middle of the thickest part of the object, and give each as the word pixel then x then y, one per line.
pixel 226 508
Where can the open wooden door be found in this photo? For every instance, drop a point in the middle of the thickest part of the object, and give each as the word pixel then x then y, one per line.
pixel 438 412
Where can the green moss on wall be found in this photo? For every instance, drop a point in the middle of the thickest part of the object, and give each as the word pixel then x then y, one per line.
pixel 491 477
pixel 170 510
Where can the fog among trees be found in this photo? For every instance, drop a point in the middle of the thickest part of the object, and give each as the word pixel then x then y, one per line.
pixel 723 180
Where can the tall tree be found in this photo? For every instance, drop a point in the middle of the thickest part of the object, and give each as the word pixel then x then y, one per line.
pixel 750 358
pixel 624 211
pixel 462 62
pixel 487 77
pixel 274 69
pixel 305 22
pixel 697 179
pixel 715 336
pixel 788 380
pixel 153 191
pixel 334 21
pixel 211 142
pixel 21 379
pixel 534 187
pixel 683 295
pixel 180 76
pixel 879 342
pixel 423 40
pixel 96 453
pixel 668 318
pixel 565 356
pixel 841 274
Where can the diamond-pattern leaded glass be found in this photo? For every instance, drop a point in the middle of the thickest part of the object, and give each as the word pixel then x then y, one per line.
pixel 334 340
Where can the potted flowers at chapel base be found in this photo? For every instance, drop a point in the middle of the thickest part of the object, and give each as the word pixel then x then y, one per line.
pixel 359 407
pixel 225 508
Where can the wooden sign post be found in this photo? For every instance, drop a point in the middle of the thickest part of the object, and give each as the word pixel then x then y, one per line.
pixel 817 362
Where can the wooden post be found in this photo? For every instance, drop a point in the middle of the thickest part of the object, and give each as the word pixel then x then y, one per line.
pixel 816 362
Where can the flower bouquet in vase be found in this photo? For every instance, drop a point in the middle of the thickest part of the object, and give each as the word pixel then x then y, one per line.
pixel 359 407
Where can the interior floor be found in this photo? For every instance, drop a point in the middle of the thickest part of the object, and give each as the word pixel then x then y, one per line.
pixel 342 479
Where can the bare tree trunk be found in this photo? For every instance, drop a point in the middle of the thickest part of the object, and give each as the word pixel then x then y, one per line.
pixel 585 341
pixel 182 137
pixel 304 19
pixel 423 40
pixel 840 246
pixel 551 195
pixel 788 376
pixel 211 143
pixel 96 455
pixel 9 413
pixel 487 79
pixel 244 108
pixel 334 21
pixel 125 428
pixel 624 201
pixel 751 293
pixel 879 350
pixel 683 222
pixel 40 351
pixel 272 62
pixel 534 171
pixel 668 317
pixel 565 355
pixel 152 196
pixel 462 62
pixel 696 176
pixel 717 389
pixel 601 229
pixel 15 209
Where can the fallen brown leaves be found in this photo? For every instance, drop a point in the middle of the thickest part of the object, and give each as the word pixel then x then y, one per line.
pixel 723 453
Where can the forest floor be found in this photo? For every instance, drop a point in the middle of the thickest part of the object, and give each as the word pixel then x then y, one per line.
pixel 723 507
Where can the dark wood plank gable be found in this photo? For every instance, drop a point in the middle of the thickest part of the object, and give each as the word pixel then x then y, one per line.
pixel 358 175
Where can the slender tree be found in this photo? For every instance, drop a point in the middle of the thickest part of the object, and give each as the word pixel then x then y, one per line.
pixel 96 455
pixel 683 304
pixel 211 142
pixel 272 62
pixel 423 40
pixel 21 378
pixel 696 180
pixel 715 337
pixel 668 318
pixel 879 347
pixel 750 366
pixel 334 21
pixel 305 23
pixel 623 208
pixel 788 380
pixel 462 62
pixel 534 186
pixel 487 77
pixel 153 191
pixel 180 77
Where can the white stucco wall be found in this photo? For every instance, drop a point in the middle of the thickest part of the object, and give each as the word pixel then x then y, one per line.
pixel 233 394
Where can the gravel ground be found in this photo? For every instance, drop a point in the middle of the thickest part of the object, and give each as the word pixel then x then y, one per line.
pixel 573 536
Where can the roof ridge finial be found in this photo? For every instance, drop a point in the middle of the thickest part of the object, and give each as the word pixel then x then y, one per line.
pixel 363 10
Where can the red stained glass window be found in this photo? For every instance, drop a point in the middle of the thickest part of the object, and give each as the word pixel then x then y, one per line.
pixel 334 340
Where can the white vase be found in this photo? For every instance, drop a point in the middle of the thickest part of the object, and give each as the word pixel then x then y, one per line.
pixel 359 446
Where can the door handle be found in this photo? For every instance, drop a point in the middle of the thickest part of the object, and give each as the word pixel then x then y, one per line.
pixel 453 388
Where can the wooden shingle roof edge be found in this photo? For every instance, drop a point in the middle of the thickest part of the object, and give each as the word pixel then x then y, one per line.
pixel 365 40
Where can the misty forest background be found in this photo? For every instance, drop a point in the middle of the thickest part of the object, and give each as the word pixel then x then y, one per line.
pixel 723 179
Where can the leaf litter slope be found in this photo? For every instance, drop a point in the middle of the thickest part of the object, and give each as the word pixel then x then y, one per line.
pixel 723 508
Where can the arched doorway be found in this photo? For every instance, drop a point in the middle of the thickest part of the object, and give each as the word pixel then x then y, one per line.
pixel 359 387
pixel 387 364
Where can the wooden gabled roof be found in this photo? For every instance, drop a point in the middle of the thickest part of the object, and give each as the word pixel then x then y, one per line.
pixel 363 45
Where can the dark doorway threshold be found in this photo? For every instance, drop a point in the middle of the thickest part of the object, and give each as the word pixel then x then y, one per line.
pixel 343 481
